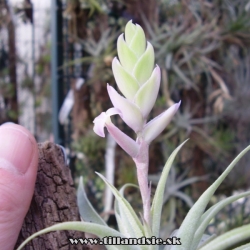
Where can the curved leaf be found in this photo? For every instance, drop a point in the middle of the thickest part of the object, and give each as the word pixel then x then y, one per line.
pixel 209 215
pixel 127 209
pixel 122 228
pixel 191 222
pixel 229 239
pixel 87 212
pixel 243 247
pixel 99 230
pixel 159 193
pixel 122 220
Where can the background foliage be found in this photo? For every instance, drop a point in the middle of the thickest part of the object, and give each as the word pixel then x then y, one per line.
pixel 203 50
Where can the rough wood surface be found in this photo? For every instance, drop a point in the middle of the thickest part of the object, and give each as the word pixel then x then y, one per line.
pixel 54 201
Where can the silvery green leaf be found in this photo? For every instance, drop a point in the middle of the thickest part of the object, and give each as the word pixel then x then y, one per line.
pixel 191 222
pixel 170 247
pixel 127 57
pixel 122 228
pixel 149 234
pixel 246 246
pixel 121 191
pixel 146 96
pixel 138 43
pixel 157 203
pixel 127 209
pixel 86 210
pixel 147 229
pixel 229 239
pixel 122 220
pixel 87 227
pixel 127 84
pixel 210 213
pixel 145 65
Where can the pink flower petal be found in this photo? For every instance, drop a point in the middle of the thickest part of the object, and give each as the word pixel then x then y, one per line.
pixel 101 120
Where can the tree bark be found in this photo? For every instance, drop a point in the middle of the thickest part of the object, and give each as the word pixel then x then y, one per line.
pixel 54 201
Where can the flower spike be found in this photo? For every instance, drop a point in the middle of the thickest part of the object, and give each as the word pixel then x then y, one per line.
pixel 138 79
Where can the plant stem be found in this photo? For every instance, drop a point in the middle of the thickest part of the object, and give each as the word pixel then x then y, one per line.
pixel 141 161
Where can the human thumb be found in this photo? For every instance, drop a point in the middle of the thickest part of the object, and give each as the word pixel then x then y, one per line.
pixel 18 169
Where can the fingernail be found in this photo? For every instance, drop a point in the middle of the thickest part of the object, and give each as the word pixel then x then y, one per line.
pixel 7 123
pixel 16 149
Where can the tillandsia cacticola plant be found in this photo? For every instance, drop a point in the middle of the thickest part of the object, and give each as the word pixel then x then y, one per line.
pixel 138 79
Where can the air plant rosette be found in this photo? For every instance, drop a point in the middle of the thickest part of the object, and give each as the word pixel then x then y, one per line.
pixel 138 79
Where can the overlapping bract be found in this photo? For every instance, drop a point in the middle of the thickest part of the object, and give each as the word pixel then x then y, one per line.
pixel 139 81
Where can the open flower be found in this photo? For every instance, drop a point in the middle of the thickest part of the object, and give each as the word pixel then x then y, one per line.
pixel 104 119
pixel 126 143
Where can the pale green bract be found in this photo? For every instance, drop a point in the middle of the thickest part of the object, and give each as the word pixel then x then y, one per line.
pixel 139 82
